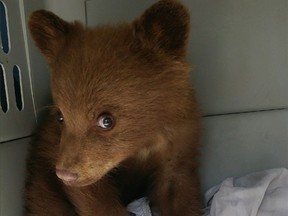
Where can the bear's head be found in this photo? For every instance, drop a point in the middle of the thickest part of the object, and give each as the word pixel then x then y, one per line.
pixel 119 91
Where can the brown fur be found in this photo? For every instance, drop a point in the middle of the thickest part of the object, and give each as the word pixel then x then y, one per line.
pixel 139 75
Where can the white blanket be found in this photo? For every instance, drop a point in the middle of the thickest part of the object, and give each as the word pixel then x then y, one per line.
pixel 140 207
pixel 258 194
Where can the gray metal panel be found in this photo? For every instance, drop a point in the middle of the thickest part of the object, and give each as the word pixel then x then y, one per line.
pixel 111 11
pixel 15 123
pixel 240 53
pixel 12 180
pixel 237 144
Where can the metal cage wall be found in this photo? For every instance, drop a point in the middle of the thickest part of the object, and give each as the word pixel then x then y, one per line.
pixel 17 112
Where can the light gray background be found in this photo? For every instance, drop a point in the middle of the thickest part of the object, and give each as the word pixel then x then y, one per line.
pixel 239 51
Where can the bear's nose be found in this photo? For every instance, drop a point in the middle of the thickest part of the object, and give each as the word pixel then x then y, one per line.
pixel 66 175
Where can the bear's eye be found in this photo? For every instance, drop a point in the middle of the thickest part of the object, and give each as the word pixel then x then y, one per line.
pixel 59 117
pixel 105 121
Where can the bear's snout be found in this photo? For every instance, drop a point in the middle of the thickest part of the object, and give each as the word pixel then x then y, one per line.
pixel 67 176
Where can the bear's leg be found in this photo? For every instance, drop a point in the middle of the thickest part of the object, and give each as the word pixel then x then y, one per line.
pixel 176 192
pixel 44 197
pixel 99 199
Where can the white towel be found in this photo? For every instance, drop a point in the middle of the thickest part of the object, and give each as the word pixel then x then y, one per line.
pixel 258 194
pixel 140 207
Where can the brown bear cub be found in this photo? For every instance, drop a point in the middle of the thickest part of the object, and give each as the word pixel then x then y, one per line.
pixel 125 122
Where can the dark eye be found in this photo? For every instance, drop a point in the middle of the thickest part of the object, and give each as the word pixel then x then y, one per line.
pixel 105 121
pixel 59 117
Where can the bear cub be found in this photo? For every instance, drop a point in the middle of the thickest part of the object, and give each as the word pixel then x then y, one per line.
pixel 125 122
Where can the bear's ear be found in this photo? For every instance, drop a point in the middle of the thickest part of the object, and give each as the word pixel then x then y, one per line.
pixel 164 25
pixel 48 32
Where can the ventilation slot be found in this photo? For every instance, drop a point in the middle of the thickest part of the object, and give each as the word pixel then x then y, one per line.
pixel 18 87
pixel 3 95
pixel 4 28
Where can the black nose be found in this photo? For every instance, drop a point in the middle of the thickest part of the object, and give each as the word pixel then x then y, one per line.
pixel 66 175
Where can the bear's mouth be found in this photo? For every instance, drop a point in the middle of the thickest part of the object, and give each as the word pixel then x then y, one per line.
pixel 79 183
pixel 75 178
